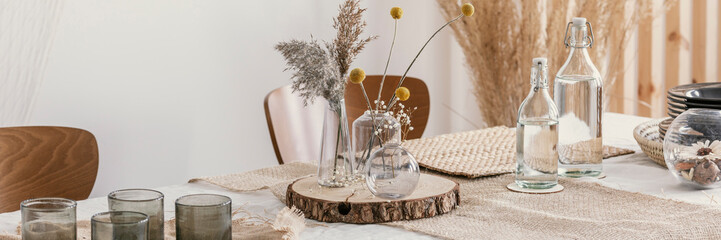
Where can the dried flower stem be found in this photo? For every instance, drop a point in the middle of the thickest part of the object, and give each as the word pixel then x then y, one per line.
pixel 349 25
pixel 373 117
pixel 383 80
pixel 365 95
pixel 414 59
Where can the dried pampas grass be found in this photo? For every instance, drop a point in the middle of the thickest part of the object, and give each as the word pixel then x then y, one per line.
pixel 320 69
pixel 502 38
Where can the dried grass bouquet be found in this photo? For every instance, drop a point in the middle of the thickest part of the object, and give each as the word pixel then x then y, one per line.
pixel 508 33
pixel 320 67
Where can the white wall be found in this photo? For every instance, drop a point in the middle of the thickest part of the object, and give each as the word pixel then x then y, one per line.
pixel 174 89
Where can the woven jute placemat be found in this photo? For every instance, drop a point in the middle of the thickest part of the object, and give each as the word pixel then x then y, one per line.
pixel 477 153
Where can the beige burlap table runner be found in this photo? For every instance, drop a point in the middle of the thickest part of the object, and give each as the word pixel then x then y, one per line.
pixel 584 210
pixel 477 153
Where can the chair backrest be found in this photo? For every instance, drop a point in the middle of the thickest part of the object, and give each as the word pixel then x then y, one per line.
pixel 46 162
pixel 295 130
pixel 356 103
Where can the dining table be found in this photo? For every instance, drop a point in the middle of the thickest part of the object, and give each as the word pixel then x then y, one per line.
pixel 634 172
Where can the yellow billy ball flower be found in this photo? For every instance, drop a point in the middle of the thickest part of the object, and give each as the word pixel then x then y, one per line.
pixel 396 12
pixel 468 9
pixel 357 75
pixel 403 93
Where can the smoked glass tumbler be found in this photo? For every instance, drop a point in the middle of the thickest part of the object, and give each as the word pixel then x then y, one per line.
pixel 146 201
pixel 48 218
pixel 203 216
pixel 120 225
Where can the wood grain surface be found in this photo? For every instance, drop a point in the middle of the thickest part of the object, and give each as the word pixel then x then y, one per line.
pixel 433 196
pixel 45 162
pixel 674 39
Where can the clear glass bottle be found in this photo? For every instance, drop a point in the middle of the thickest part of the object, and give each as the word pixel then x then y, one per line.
pixel 578 92
pixel 537 133
pixel 370 132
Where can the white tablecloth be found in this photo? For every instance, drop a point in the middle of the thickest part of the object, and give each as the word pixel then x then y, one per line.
pixel 634 173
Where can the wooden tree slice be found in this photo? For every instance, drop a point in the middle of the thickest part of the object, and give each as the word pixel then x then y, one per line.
pixel 433 196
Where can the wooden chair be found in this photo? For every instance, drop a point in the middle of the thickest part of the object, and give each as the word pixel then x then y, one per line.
pixel 46 162
pixel 356 104
pixel 295 130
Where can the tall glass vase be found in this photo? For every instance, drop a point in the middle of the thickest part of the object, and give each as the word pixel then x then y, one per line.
pixel 335 168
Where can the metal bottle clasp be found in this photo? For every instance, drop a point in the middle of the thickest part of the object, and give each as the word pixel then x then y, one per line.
pixel 590 37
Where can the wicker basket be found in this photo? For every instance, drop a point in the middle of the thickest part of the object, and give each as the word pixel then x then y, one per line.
pixel 648 137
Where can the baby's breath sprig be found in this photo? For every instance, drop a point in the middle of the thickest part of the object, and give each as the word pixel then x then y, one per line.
pixel 403 115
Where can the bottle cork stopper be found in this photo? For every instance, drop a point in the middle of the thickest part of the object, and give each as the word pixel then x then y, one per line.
pixel 579 21
pixel 540 60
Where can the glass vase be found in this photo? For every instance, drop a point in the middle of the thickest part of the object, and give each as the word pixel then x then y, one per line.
pixel 370 132
pixel 335 167
pixel 393 172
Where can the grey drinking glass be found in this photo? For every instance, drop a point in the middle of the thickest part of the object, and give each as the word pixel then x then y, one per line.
pixel 120 225
pixel 48 218
pixel 146 201
pixel 203 216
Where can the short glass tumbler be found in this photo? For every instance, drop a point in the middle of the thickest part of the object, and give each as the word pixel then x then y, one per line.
pixel 146 201
pixel 120 225
pixel 203 216
pixel 692 148
pixel 48 218
pixel 393 172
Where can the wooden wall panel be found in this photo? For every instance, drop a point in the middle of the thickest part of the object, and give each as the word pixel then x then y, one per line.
pixel 673 47
pixel 658 94
pixel 617 94
pixel 645 64
pixel 684 57
pixel 698 42
pixel 676 44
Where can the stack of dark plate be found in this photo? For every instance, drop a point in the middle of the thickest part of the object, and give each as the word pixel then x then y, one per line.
pixel 684 97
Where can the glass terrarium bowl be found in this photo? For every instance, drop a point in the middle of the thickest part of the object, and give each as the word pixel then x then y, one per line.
pixel 692 148
pixel 392 172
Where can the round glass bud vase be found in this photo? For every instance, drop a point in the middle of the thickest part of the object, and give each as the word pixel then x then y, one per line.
pixel 369 137
pixel 392 172
pixel 692 148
